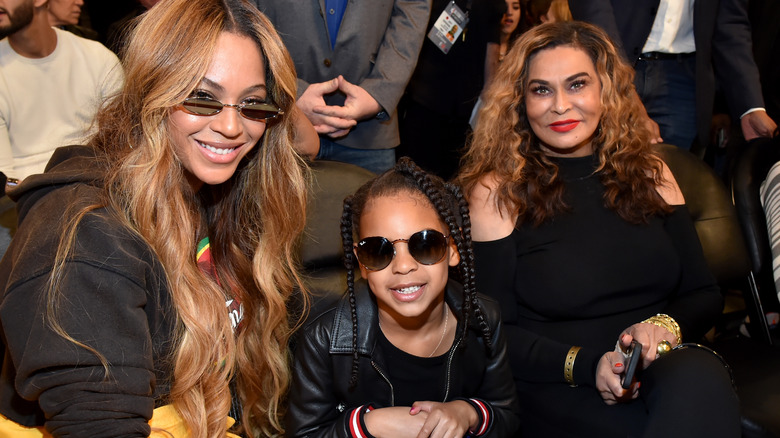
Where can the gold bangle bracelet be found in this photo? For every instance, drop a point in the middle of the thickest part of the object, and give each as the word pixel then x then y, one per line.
pixel 666 322
pixel 568 365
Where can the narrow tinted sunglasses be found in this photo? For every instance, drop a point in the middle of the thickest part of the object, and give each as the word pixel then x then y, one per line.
pixel 251 110
pixel 427 247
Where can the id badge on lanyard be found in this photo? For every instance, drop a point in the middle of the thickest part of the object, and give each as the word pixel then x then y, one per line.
pixel 448 27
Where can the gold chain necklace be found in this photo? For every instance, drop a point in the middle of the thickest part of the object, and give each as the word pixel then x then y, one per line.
pixel 444 332
pixel 446 319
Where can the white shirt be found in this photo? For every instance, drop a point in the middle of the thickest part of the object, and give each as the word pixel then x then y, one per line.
pixel 50 102
pixel 672 30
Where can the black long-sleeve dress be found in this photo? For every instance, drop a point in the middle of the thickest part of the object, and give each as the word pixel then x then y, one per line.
pixel 581 278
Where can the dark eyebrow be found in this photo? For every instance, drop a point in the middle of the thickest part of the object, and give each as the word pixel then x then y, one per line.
pixel 569 79
pixel 219 87
pixel 577 75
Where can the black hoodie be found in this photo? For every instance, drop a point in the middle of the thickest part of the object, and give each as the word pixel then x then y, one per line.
pixel 113 298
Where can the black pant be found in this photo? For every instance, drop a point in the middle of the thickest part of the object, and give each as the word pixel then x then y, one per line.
pixel 687 393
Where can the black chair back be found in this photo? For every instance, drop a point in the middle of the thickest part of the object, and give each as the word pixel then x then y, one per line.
pixel 713 214
pixel 321 252
pixel 750 169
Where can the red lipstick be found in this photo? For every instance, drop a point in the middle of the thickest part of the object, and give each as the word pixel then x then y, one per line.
pixel 564 125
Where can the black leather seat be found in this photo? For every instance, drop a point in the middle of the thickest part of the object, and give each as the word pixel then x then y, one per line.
pixel 755 364
pixel 750 169
pixel 720 228
pixel 713 214
pixel 321 252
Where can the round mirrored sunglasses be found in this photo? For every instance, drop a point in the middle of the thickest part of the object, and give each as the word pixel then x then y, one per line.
pixel 427 247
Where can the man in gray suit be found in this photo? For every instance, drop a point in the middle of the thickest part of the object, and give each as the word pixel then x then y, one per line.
pixel 353 61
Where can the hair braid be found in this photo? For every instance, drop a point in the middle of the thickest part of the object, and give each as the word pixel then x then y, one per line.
pixel 349 264
pixel 467 264
pixel 449 202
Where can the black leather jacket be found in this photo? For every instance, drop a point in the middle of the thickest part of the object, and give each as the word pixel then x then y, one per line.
pixel 322 405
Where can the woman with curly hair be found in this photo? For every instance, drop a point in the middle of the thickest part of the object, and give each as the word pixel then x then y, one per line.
pixel 409 351
pixel 113 324
pixel 582 234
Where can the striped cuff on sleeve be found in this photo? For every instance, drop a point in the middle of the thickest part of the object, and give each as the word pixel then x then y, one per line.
pixel 485 415
pixel 357 425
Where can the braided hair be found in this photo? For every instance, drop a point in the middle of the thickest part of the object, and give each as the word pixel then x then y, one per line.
pixel 452 208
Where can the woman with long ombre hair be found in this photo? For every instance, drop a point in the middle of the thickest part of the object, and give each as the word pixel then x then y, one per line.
pixel 581 232
pixel 149 287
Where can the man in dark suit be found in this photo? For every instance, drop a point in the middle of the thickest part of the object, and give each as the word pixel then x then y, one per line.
pixel 677 86
pixel 353 61
pixel 764 16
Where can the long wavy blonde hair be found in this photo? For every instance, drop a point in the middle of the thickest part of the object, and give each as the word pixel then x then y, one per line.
pixel 253 219
pixel 504 145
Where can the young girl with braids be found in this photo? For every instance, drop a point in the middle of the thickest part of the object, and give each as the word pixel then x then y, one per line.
pixel 408 351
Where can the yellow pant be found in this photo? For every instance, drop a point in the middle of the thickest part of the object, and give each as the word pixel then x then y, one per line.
pixel 165 423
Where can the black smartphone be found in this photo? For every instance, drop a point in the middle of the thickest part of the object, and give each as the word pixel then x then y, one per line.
pixel 631 362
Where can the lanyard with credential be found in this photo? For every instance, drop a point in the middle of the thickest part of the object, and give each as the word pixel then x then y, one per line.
pixel 449 26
